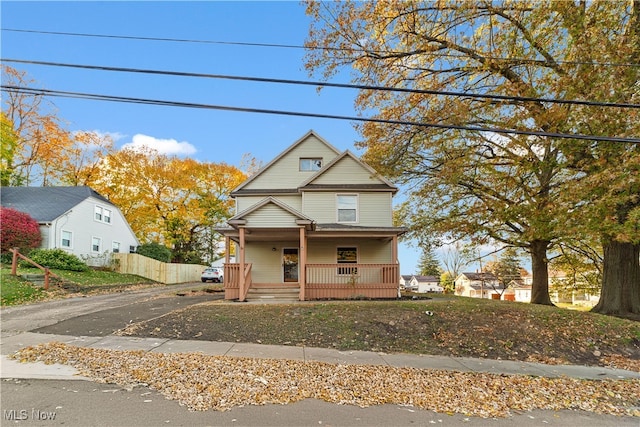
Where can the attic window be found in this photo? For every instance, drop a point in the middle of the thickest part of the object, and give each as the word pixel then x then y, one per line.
pixel 310 164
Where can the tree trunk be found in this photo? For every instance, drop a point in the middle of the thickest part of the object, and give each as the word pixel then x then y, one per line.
pixel 620 292
pixel 540 273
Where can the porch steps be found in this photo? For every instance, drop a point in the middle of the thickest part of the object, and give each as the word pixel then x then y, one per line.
pixel 274 295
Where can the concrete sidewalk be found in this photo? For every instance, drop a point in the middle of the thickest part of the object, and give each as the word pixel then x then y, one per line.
pixel 10 342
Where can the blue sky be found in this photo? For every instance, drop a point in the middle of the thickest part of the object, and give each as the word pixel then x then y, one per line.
pixel 206 135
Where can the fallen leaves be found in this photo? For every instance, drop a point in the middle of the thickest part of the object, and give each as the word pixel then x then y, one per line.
pixel 203 382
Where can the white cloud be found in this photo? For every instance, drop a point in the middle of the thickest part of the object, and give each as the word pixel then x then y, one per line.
pixel 162 146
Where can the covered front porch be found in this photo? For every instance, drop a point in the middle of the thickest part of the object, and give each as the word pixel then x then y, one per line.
pixel 315 261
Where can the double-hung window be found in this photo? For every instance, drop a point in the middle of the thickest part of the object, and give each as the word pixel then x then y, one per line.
pixel 96 244
pixel 66 239
pixel 347 205
pixel 115 247
pixel 102 214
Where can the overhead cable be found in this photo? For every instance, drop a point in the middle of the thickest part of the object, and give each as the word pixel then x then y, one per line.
pixel 65 94
pixel 292 46
pixel 327 84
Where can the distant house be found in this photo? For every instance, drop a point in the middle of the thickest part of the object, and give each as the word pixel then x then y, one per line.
pixel 478 285
pixel 428 284
pixel 407 282
pixel 75 219
pixel 314 223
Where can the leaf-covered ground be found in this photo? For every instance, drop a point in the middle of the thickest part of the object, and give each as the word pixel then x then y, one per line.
pixel 204 382
pixel 443 326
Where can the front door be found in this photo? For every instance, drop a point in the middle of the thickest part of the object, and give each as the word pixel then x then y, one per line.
pixel 290 264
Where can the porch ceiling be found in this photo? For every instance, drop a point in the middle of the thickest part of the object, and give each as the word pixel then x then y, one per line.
pixel 281 234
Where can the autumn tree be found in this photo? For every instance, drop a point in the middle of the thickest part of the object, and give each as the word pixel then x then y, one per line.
pixel 8 145
pixel 19 230
pixel 41 142
pixel 468 182
pixel 169 200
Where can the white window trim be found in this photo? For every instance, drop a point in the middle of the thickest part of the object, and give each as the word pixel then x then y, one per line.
pixel 70 239
pixel 99 210
pixel 113 242
pixel 99 244
pixel 357 220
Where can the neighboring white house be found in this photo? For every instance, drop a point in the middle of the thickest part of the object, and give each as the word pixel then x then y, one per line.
pixel 75 219
pixel 314 222
pixel 478 285
pixel 421 284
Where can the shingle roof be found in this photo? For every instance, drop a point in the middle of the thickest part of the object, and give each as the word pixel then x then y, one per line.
pixel 44 204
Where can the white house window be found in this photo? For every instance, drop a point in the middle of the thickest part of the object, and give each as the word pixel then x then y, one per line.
pixel 310 164
pixel 347 207
pixel 115 247
pixel 96 244
pixel 347 255
pixel 103 215
pixel 66 239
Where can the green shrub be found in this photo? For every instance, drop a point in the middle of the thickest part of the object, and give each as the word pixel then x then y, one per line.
pixel 56 258
pixel 155 251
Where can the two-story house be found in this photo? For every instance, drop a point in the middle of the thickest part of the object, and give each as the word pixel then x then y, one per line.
pixel 316 221
pixel 76 219
pixel 478 285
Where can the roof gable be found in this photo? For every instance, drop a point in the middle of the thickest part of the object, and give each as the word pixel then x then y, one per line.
pixel 349 169
pixel 45 204
pixel 285 213
pixel 284 167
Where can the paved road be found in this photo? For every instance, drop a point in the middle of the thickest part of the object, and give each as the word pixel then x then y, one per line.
pixel 27 400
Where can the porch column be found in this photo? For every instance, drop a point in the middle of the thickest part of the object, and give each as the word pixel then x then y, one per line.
pixel 302 279
pixel 241 284
pixel 394 257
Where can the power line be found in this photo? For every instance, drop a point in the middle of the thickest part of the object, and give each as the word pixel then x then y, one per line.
pixel 327 84
pixel 98 97
pixel 293 46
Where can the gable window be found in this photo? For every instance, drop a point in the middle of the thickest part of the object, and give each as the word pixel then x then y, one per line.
pixel 347 255
pixel 115 247
pixel 66 239
pixel 102 214
pixel 347 205
pixel 96 243
pixel 310 164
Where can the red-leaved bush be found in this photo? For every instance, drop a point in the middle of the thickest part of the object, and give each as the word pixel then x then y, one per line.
pixel 18 230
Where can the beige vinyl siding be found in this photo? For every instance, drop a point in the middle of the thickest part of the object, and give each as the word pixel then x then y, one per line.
pixel 266 263
pixel 374 209
pixel 271 216
pixel 370 251
pixel 245 202
pixel 347 171
pixel 285 172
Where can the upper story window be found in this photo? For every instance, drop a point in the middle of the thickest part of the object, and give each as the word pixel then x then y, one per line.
pixel 347 205
pixel 102 214
pixel 310 164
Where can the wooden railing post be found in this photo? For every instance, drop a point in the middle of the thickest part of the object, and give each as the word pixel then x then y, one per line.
pixel 14 262
pixel 46 278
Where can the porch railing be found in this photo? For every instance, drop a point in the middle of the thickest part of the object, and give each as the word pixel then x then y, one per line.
pixel 351 280
pixel 232 281
pixel 329 281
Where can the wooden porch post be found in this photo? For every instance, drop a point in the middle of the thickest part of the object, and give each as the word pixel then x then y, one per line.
pixel 394 257
pixel 302 279
pixel 227 249
pixel 241 285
